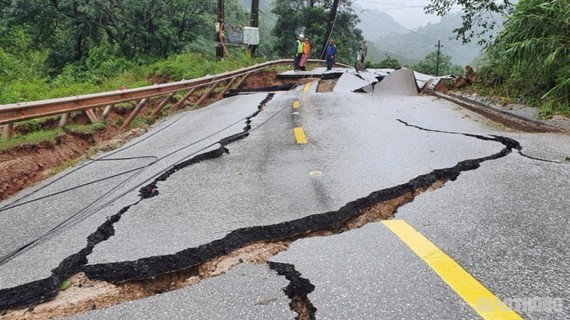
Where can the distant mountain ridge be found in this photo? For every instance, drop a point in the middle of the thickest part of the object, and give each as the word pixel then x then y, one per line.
pixel 388 37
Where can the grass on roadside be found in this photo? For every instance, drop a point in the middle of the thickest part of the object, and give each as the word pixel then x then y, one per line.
pixel 31 138
pixel 86 128
pixel 72 82
pixel 546 107
pixel 141 122
pixel 77 81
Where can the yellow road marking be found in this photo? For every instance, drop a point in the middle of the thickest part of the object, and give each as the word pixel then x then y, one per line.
pixel 300 135
pixel 296 104
pixel 307 86
pixel 468 288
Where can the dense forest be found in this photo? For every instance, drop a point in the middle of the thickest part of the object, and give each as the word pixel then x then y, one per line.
pixel 66 47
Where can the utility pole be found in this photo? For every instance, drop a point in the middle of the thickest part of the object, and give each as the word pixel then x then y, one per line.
pixel 332 18
pixel 220 31
pixel 254 22
pixel 437 58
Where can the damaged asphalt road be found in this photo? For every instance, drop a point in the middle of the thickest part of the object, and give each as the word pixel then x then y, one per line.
pixel 362 157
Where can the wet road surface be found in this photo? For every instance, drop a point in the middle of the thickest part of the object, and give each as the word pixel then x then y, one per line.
pixel 236 174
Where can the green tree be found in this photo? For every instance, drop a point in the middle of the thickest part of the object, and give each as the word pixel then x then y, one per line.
pixel 429 65
pixel 69 29
pixel 148 27
pixel 477 15
pixel 531 56
pixel 388 62
pixel 310 18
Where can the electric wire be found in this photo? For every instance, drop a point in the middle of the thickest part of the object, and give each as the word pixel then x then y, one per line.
pixel 83 213
pixel 17 203
pixel 330 35
pixel 104 157
pixel 379 16
pixel 389 43
pixel 71 189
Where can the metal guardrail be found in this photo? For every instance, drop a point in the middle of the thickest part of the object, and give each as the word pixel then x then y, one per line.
pixel 11 113
pixel 506 118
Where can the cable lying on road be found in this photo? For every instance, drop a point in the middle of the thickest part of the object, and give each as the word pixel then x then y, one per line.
pixel 19 204
pixel 45 289
pixel 90 209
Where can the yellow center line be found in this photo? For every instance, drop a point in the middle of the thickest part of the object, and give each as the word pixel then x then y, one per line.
pixel 300 135
pixel 296 104
pixel 468 288
pixel 307 86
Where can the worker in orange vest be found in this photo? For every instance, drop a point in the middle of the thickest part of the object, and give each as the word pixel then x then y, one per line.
pixel 305 57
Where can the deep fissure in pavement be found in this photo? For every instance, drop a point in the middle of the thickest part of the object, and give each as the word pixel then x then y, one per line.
pixel 379 205
pixel 298 290
pixel 45 289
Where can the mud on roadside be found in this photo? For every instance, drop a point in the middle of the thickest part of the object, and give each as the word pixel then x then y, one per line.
pixel 27 164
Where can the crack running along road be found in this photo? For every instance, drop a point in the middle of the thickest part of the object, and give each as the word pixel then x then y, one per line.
pixel 146 268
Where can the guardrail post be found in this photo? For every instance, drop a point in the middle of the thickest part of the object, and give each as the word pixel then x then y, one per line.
pixel 242 80
pixel 91 115
pixel 161 105
pixel 107 111
pixel 63 120
pixel 134 113
pixel 228 86
pixel 207 94
pixel 7 131
pixel 186 96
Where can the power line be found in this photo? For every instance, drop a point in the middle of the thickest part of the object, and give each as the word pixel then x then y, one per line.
pixel 414 44
pixel 98 204
pixel 383 18
pixel 389 43
pixel 401 6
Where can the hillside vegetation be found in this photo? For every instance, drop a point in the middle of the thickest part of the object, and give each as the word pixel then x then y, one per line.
pixel 530 60
pixel 61 48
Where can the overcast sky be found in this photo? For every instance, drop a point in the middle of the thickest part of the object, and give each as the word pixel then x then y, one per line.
pixel 409 13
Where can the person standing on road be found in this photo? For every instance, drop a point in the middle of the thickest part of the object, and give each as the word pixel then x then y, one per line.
pixel 361 55
pixel 298 52
pixel 306 52
pixel 331 54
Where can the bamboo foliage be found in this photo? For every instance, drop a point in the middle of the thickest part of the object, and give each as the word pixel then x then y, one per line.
pixel 533 51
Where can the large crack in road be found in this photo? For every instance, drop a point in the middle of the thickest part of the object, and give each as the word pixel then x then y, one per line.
pixel 298 290
pixel 45 289
pixel 158 274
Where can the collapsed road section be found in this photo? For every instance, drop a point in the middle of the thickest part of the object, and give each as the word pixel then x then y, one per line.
pixel 353 214
pixel 45 289
pixel 161 272
pixel 377 206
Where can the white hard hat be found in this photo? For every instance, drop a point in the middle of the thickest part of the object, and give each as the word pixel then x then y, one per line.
pixel 301 36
